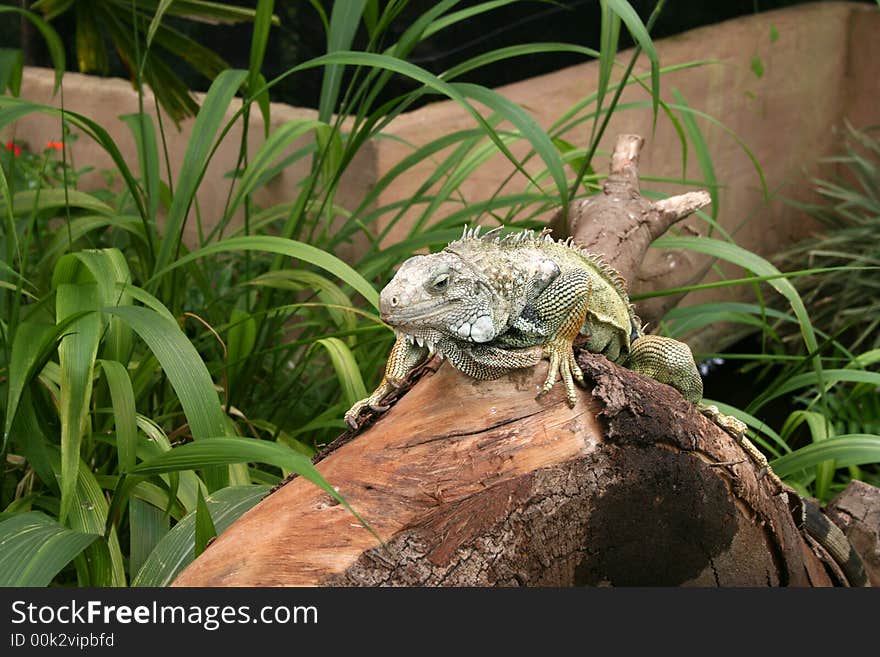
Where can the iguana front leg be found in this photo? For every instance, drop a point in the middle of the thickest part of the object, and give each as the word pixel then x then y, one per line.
pixel 672 362
pixel 563 308
pixel 402 360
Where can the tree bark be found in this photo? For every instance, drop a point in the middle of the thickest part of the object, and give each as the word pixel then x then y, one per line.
pixel 481 483
pixel 857 511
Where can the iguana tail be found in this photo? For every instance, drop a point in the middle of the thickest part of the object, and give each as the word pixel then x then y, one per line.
pixel 835 542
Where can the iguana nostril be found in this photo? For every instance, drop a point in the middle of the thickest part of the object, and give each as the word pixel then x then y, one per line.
pixel 394 301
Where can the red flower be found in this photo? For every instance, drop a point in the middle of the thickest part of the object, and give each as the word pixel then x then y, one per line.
pixel 57 145
pixel 15 148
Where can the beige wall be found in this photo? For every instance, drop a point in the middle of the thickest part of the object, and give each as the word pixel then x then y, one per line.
pixel 824 67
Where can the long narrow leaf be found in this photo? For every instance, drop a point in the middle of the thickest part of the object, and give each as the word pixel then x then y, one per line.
pixel 347 371
pixel 846 450
pixel 34 548
pixel 287 247
pixel 31 348
pixel 148 524
pixel 124 412
pixel 344 20
pixel 175 551
pixel 182 364
pixel 225 451
pixel 529 128
pixel 195 160
pixel 53 42
pixel 77 353
pixel 638 31
pixel 205 530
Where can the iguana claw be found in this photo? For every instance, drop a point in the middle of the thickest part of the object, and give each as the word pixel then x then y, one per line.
pixel 564 364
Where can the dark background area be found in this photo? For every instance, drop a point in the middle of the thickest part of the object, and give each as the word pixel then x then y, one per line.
pixel 300 37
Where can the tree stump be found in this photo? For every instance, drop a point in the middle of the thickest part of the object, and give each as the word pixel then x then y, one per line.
pixel 481 483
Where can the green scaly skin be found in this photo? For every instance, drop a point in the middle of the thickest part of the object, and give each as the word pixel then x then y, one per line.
pixel 493 304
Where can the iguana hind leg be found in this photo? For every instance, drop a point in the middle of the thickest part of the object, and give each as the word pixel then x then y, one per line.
pixel 672 362
pixel 667 361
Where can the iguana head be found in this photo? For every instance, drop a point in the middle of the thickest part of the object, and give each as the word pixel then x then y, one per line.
pixel 439 297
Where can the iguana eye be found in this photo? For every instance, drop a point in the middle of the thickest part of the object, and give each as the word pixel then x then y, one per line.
pixel 440 282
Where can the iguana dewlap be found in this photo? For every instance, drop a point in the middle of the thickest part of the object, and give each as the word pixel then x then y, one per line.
pixel 493 304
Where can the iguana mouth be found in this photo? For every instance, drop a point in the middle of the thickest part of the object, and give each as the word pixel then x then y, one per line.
pixel 422 341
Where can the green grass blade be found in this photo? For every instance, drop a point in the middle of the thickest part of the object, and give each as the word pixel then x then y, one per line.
pixel 226 451
pixel 640 34
pixel 447 21
pixel 144 132
pixel 758 265
pixel 82 226
pixel 344 20
pixel 182 365
pixel 88 515
pixel 430 81
pixel 220 450
pixel 124 412
pixel 151 302
pixel 77 353
pixel 195 160
pixel 52 199
pixel 11 67
pixel 820 429
pixel 739 140
pixel 259 40
pixel 108 268
pixel 157 20
pixel 205 530
pixel 608 43
pixel 509 52
pixel 702 150
pixel 175 551
pixel 34 548
pixel 240 340
pixel 147 525
pixel 347 371
pixel 527 126
pixel 286 247
pixel 34 343
pixel 845 450
pixel 303 279
pixel 752 262
pixel 809 379
pixel 279 140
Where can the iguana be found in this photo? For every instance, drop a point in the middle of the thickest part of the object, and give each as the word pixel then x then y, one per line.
pixel 491 304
